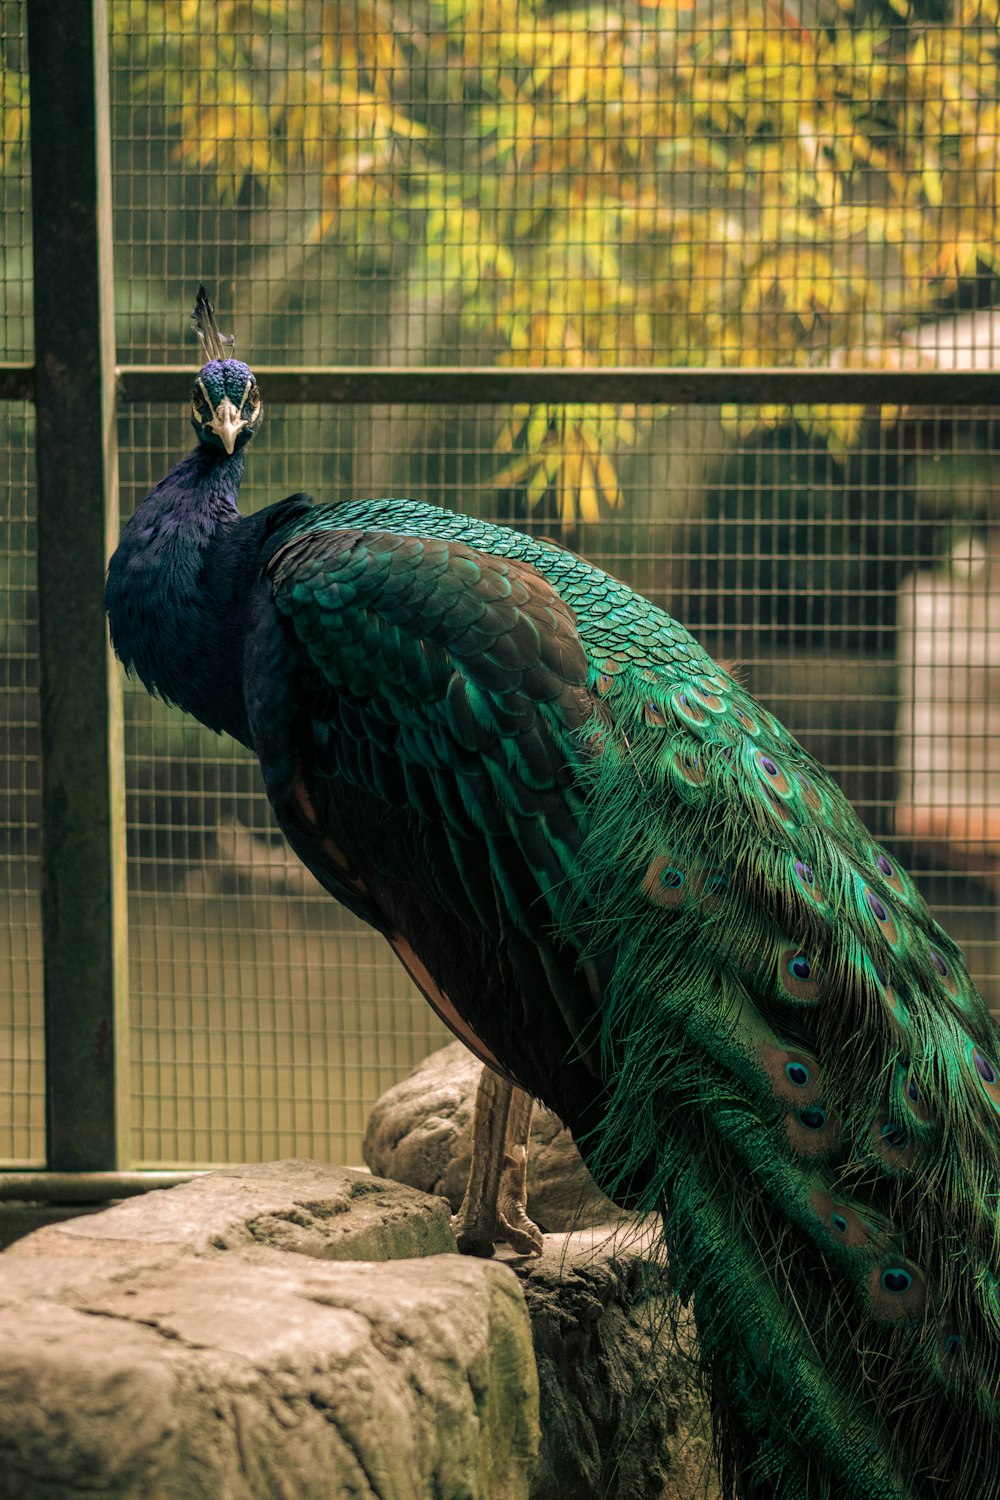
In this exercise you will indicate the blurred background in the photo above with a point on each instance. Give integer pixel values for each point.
(512, 183)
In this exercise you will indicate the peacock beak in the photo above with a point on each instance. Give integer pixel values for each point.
(227, 424)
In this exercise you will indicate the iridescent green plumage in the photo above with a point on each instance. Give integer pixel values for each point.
(623, 880)
(792, 1060)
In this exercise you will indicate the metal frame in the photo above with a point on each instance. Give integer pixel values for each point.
(77, 388)
(83, 1187)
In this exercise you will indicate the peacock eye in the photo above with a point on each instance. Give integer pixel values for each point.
(254, 396)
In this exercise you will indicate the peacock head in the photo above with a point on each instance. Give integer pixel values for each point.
(226, 408)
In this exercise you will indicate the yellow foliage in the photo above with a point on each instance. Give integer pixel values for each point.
(617, 183)
(13, 115)
(562, 451)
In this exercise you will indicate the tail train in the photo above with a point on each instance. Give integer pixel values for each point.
(805, 1082)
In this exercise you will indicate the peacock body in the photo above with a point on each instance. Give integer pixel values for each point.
(625, 885)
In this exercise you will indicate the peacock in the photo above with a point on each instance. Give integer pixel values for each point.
(636, 897)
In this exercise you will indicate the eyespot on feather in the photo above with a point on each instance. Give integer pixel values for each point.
(686, 708)
(943, 971)
(843, 1224)
(911, 1097)
(882, 914)
(689, 767)
(713, 888)
(812, 1131)
(892, 1143)
(665, 883)
(653, 714)
(805, 880)
(948, 1354)
(889, 872)
(878, 990)
(781, 811)
(771, 773)
(746, 723)
(699, 689)
(985, 1072)
(809, 793)
(797, 975)
(896, 1290)
(794, 1076)
(896, 1007)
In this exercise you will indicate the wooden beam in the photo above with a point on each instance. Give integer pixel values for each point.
(83, 902)
(450, 385)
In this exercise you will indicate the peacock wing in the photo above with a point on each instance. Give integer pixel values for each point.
(419, 739)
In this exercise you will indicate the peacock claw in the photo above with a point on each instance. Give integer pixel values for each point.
(524, 1237)
(515, 1228)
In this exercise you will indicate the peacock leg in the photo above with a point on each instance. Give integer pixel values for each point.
(520, 1232)
(494, 1204)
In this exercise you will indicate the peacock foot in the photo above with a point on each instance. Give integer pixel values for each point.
(494, 1207)
(516, 1229)
(479, 1229)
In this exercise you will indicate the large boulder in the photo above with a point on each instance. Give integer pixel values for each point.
(621, 1412)
(302, 1332)
(218, 1342)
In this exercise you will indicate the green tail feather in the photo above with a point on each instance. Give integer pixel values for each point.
(807, 1084)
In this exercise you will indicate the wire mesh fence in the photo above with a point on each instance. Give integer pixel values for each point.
(705, 182)
(21, 1046)
(857, 600)
(498, 181)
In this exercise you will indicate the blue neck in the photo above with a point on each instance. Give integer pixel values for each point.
(175, 595)
(203, 483)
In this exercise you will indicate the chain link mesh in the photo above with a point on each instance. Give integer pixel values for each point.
(508, 182)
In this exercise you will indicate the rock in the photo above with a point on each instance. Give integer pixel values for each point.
(299, 1332)
(419, 1133)
(213, 1341)
(301, 1206)
(621, 1414)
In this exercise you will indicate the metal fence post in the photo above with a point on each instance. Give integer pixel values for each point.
(83, 903)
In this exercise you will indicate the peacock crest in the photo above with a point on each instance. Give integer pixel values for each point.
(216, 345)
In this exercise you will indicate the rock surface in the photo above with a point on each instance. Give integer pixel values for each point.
(621, 1415)
(237, 1337)
(306, 1207)
(301, 1332)
(420, 1133)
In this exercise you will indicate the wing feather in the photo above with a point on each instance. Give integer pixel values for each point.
(438, 694)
